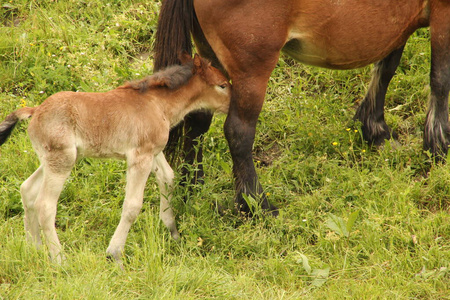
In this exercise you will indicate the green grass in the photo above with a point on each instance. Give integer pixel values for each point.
(355, 222)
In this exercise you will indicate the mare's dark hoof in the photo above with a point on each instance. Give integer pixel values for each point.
(274, 211)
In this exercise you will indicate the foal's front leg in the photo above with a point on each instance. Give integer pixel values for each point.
(164, 177)
(139, 167)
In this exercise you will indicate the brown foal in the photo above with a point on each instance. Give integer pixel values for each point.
(131, 122)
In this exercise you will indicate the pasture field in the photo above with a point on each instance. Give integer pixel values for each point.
(355, 222)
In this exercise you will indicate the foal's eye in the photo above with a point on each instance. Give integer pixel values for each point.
(223, 85)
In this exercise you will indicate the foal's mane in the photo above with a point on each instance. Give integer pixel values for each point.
(172, 77)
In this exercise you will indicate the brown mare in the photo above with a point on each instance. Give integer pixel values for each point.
(245, 38)
(131, 122)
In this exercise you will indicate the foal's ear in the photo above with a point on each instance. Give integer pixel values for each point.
(200, 64)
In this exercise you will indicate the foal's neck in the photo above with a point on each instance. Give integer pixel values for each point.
(184, 100)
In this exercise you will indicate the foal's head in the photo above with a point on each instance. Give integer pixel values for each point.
(213, 90)
(216, 93)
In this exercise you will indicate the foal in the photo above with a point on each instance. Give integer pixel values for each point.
(131, 122)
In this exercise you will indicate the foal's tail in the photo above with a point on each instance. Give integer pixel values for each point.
(173, 37)
(11, 120)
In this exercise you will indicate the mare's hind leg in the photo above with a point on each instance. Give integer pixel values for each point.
(371, 110)
(139, 167)
(437, 131)
(29, 191)
(195, 125)
(164, 177)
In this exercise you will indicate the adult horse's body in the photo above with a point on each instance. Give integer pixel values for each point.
(245, 37)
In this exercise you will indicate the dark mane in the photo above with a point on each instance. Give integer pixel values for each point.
(172, 77)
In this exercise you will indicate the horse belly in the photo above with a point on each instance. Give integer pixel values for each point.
(99, 147)
(345, 34)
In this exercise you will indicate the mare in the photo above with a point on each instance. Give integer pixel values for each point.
(245, 38)
(131, 122)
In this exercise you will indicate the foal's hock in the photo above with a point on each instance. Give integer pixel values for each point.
(131, 122)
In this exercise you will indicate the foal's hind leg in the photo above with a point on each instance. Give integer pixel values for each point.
(56, 170)
(139, 167)
(437, 131)
(164, 177)
(371, 110)
(29, 191)
(46, 203)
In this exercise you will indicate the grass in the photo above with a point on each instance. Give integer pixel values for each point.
(355, 222)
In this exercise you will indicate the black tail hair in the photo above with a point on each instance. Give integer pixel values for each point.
(173, 37)
(7, 126)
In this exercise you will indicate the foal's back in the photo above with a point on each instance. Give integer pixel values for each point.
(99, 124)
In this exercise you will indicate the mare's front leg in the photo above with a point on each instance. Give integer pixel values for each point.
(164, 177)
(139, 168)
(371, 111)
(437, 131)
(240, 126)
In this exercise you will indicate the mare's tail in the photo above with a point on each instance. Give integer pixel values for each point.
(11, 120)
(173, 37)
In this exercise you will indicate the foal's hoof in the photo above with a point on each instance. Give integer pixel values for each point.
(114, 254)
(58, 259)
(176, 236)
(118, 262)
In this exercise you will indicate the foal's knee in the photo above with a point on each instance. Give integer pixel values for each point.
(131, 212)
(24, 192)
(164, 175)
